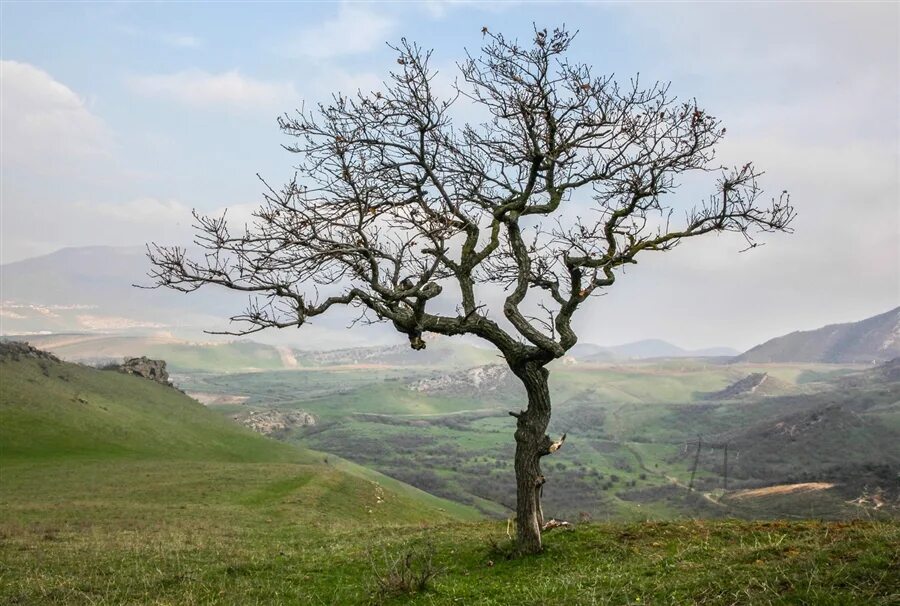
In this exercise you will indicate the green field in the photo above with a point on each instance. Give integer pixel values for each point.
(179, 533)
(118, 490)
(182, 533)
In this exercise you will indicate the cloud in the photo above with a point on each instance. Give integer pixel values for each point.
(810, 94)
(47, 126)
(202, 89)
(353, 31)
(131, 222)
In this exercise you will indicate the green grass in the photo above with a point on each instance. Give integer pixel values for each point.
(73, 427)
(236, 539)
(51, 410)
(116, 490)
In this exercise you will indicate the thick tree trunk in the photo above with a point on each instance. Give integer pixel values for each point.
(532, 443)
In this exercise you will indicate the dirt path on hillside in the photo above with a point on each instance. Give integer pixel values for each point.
(780, 489)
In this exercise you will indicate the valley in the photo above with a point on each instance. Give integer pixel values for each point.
(632, 433)
(438, 420)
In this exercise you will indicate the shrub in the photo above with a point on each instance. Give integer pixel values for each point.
(406, 573)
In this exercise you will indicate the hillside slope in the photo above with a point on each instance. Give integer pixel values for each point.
(875, 339)
(846, 433)
(68, 427)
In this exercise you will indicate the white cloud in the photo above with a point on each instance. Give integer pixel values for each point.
(46, 126)
(86, 222)
(439, 9)
(202, 89)
(354, 30)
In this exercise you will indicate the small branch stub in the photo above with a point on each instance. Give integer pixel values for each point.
(557, 445)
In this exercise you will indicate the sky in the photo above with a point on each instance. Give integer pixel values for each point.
(119, 118)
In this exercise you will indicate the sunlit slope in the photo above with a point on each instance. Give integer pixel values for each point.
(50, 409)
(76, 433)
(224, 356)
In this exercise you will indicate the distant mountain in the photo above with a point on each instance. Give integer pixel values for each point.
(588, 352)
(640, 350)
(90, 289)
(875, 339)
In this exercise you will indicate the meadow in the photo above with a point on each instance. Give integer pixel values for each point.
(157, 532)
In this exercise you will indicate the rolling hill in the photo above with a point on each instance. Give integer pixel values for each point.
(875, 339)
(118, 490)
(97, 425)
(845, 433)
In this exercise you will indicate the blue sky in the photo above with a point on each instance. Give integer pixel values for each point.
(118, 118)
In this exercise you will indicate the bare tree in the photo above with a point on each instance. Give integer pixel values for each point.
(562, 184)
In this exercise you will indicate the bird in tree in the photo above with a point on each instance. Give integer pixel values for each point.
(395, 210)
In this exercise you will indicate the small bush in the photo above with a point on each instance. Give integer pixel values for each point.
(406, 573)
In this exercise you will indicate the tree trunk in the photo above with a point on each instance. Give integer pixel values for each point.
(532, 443)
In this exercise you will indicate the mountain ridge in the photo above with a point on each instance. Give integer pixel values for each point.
(871, 340)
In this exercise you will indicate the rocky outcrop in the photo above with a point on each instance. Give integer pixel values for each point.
(481, 380)
(268, 422)
(16, 350)
(154, 370)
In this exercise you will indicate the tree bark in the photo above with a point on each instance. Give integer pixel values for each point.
(532, 443)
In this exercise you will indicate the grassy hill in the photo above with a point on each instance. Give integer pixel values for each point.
(632, 431)
(630, 428)
(118, 490)
(58, 410)
(77, 432)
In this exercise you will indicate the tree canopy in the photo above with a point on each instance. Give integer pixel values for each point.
(568, 177)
